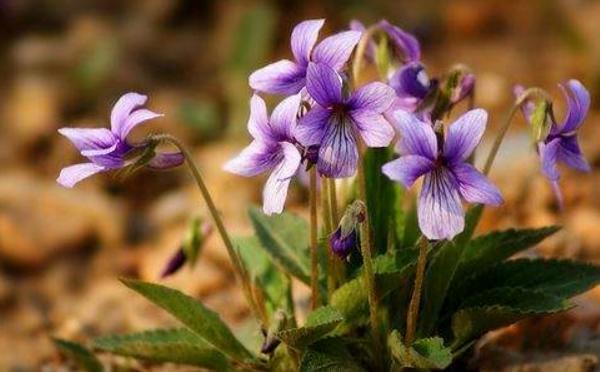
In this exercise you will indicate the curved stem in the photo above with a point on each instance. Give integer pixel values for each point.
(415, 301)
(360, 52)
(314, 262)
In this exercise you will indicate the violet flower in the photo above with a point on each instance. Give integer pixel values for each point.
(336, 119)
(289, 77)
(561, 144)
(412, 85)
(108, 149)
(447, 174)
(273, 148)
(342, 245)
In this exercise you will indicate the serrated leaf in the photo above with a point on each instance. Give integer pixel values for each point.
(180, 346)
(84, 358)
(318, 323)
(561, 278)
(500, 307)
(490, 249)
(425, 353)
(199, 319)
(328, 356)
(285, 239)
(351, 299)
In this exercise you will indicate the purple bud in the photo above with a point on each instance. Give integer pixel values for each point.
(175, 263)
(311, 154)
(342, 245)
(464, 88)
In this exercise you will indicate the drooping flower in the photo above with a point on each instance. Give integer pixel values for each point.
(190, 248)
(561, 144)
(273, 149)
(335, 121)
(448, 176)
(345, 238)
(412, 85)
(289, 77)
(109, 149)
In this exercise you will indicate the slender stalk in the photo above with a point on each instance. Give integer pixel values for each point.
(333, 201)
(328, 222)
(314, 262)
(415, 301)
(360, 52)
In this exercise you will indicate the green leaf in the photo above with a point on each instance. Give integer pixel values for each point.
(381, 196)
(204, 322)
(425, 353)
(84, 358)
(329, 355)
(318, 323)
(285, 239)
(490, 249)
(561, 278)
(351, 299)
(500, 307)
(169, 345)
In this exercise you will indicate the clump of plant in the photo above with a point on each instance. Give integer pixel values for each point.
(394, 282)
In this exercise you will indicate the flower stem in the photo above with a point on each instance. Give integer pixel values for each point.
(415, 301)
(314, 262)
(360, 52)
(328, 222)
(333, 202)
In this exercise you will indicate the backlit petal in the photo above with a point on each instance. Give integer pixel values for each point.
(464, 135)
(439, 210)
(282, 77)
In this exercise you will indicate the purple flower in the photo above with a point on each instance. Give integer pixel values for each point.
(289, 77)
(561, 144)
(412, 85)
(175, 263)
(273, 149)
(335, 120)
(405, 44)
(342, 245)
(108, 149)
(447, 174)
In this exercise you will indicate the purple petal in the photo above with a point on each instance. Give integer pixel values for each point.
(166, 160)
(304, 37)
(258, 157)
(86, 139)
(335, 50)
(570, 153)
(71, 175)
(374, 129)
(99, 152)
(311, 128)
(464, 88)
(406, 169)
(282, 77)
(407, 44)
(284, 117)
(175, 263)
(440, 211)
(377, 97)
(464, 135)
(134, 119)
(323, 84)
(276, 188)
(416, 136)
(411, 80)
(549, 158)
(258, 123)
(474, 186)
(121, 110)
(578, 100)
(338, 154)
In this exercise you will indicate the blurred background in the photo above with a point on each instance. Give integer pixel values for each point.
(65, 62)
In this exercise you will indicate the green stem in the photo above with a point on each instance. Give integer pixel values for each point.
(328, 221)
(333, 201)
(415, 301)
(314, 262)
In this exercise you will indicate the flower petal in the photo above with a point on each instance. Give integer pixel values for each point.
(258, 123)
(549, 158)
(311, 127)
(374, 129)
(323, 84)
(304, 37)
(166, 160)
(570, 153)
(407, 44)
(338, 154)
(411, 80)
(377, 97)
(282, 77)
(71, 175)
(406, 169)
(121, 110)
(89, 138)
(135, 118)
(258, 157)
(464, 135)
(474, 186)
(276, 188)
(578, 100)
(416, 136)
(284, 117)
(335, 50)
(440, 211)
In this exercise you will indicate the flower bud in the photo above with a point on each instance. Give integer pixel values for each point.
(345, 237)
(271, 340)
